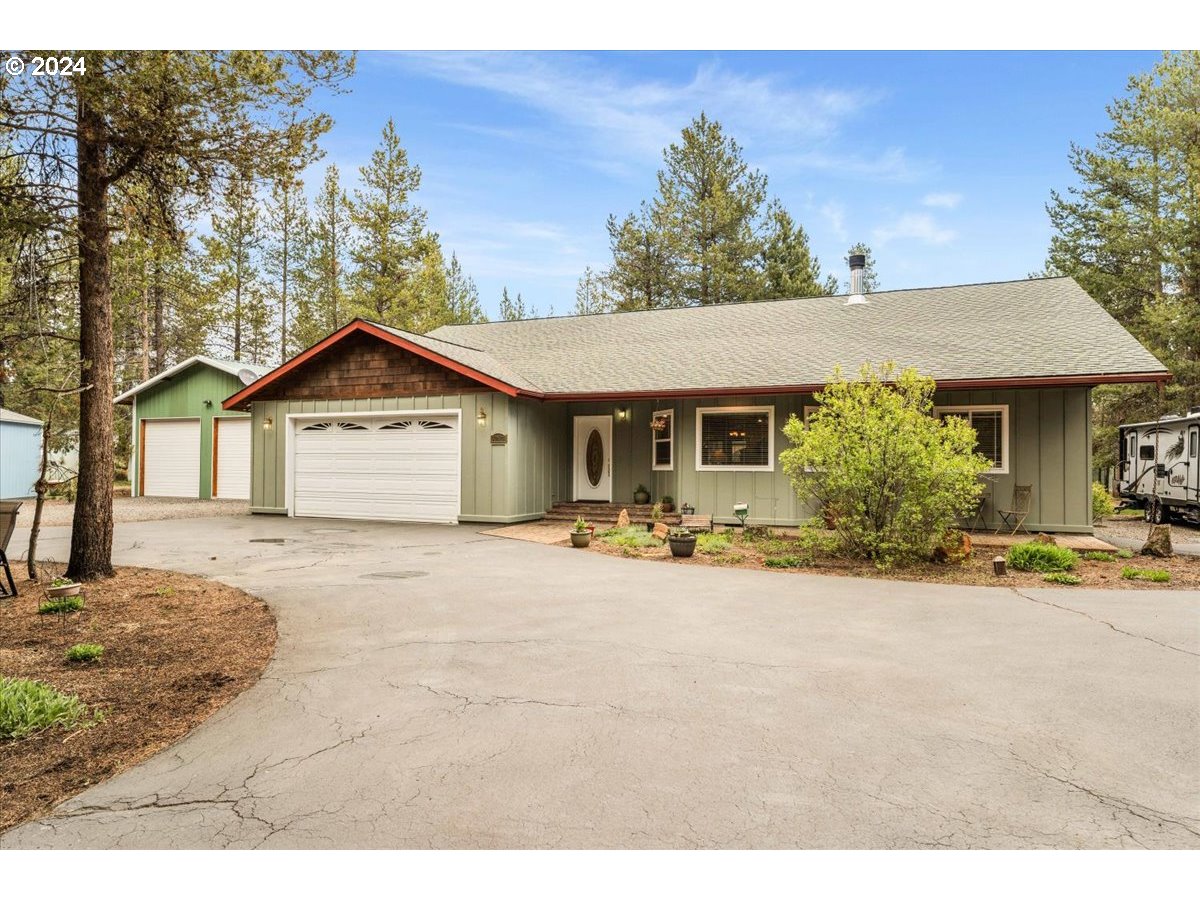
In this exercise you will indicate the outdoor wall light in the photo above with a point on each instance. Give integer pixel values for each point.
(622, 413)
(208, 404)
(482, 417)
(267, 423)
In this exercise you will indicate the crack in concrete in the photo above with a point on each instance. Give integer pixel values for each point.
(1080, 612)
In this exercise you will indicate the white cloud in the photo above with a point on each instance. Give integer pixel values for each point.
(629, 117)
(913, 226)
(834, 214)
(944, 200)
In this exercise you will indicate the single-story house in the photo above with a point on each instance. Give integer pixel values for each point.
(184, 443)
(498, 422)
(20, 454)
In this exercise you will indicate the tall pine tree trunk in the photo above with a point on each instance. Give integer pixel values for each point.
(144, 325)
(157, 290)
(92, 528)
(283, 300)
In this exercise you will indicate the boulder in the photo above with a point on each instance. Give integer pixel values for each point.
(623, 519)
(954, 548)
(1159, 542)
(1043, 538)
(661, 531)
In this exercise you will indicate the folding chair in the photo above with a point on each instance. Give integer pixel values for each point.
(8, 523)
(1018, 510)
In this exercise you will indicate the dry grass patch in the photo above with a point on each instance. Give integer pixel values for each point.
(175, 649)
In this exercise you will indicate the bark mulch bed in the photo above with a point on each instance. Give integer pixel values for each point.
(176, 649)
(977, 570)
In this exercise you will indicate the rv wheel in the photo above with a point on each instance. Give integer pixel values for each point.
(1155, 512)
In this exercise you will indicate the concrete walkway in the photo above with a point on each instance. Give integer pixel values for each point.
(436, 687)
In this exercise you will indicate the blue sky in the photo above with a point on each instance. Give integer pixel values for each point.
(942, 162)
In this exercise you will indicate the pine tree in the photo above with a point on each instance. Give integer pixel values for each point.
(591, 294)
(643, 272)
(1129, 233)
(789, 268)
(321, 306)
(709, 203)
(392, 281)
(232, 264)
(870, 281)
(512, 310)
(462, 296)
(287, 221)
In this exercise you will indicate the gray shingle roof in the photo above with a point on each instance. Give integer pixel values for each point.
(1005, 330)
(229, 366)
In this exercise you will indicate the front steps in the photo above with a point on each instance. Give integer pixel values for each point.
(606, 513)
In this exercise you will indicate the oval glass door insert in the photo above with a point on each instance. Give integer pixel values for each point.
(594, 457)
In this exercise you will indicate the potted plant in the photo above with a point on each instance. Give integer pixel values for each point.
(581, 533)
(668, 503)
(656, 515)
(63, 587)
(682, 541)
(641, 496)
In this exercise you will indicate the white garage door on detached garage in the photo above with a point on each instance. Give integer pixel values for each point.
(400, 467)
(231, 457)
(170, 458)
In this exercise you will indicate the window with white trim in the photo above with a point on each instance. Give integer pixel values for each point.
(991, 431)
(662, 434)
(737, 438)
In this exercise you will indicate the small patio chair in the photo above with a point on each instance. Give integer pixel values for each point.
(8, 523)
(975, 516)
(1018, 510)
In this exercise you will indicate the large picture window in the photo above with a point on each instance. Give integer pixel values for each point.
(662, 434)
(735, 438)
(991, 431)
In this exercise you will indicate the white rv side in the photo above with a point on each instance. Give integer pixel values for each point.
(1160, 466)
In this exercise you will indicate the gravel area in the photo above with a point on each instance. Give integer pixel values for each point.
(1131, 533)
(137, 509)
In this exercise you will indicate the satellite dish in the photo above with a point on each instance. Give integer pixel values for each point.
(247, 376)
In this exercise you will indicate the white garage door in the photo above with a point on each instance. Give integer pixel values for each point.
(171, 458)
(231, 473)
(403, 468)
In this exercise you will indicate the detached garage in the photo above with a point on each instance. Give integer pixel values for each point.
(184, 444)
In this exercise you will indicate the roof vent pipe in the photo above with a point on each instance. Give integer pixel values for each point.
(858, 262)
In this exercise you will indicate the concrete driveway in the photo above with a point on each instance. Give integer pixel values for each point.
(435, 687)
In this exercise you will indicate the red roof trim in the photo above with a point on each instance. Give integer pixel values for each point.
(247, 393)
(944, 385)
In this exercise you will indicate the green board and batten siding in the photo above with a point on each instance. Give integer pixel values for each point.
(183, 397)
(505, 482)
(1049, 447)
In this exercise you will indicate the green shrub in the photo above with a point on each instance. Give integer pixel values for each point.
(891, 475)
(787, 562)
(1062, 578)
(1100, 556)
(713, 542)
(1124, 554)
(60, 605)
(1034, 556)
(632, 536)
(84, 652)
(1134, 574)
(27, 706)
(1102, 502)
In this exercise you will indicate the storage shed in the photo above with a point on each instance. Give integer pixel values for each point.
(184, 443)
(20, 454)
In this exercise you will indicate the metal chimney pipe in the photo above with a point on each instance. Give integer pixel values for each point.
(858, 262)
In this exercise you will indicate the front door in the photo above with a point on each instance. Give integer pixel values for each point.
(593, 458)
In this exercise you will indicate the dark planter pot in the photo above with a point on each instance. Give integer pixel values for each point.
(682, 546)
(580, 538)
(641, 499)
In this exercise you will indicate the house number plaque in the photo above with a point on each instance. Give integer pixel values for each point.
(499, 440)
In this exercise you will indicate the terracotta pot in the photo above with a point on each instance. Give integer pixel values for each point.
(668, 507)
(580, 538)
(682, 546)
(66, 590)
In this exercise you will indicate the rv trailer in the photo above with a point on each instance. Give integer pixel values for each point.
(1160, 466)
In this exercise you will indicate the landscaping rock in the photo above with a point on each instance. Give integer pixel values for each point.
(661, 531)
(623, 519)
(1043, 538)
(955, 548)
(1159, 542)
